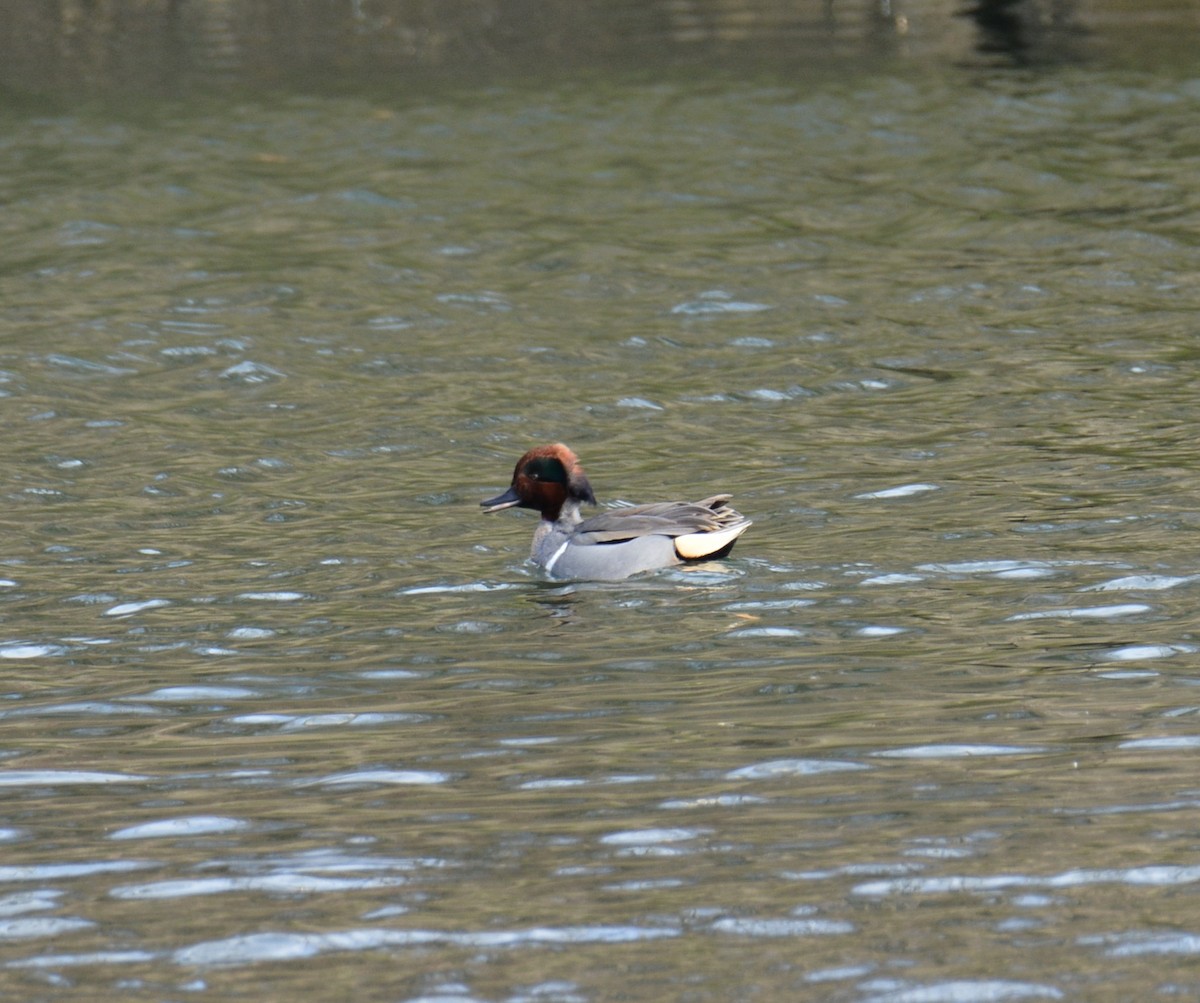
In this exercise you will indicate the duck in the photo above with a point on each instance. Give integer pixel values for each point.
(616, 543)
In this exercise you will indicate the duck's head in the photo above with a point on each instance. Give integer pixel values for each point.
(545, 479)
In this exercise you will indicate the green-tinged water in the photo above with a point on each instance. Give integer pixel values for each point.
(285, 716)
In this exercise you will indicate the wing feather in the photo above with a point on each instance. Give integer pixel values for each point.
(712, 516)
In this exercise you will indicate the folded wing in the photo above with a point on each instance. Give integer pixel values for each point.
(699, 529)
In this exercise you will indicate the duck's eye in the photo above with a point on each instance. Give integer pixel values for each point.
(546, 468)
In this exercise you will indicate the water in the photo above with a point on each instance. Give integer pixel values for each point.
(285, 715)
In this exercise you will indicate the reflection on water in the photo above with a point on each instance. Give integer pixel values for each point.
(280, 706)
(131, 47)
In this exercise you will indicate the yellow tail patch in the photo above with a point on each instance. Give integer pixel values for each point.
(693, 546)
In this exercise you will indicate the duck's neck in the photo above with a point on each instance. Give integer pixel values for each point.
(568, 519)
(568, 514)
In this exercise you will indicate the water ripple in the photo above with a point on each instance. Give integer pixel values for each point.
(956, 751)
(969, 991)
(129, 608)
(303, 722)
(1086, 612)
(717, 301)
(56, 872)
(270, 946)
(56, 778)
(781, 927)
(201, 694)
(22, 651)
(76, 960)
(194, 825)
(792, 767)
(1141, 652)
(1135, 944)
(1141, 583)
(1152, 876)
(401, 777)
(1163, 742)
(900, 491)
(40, 926)
(274, 884)
(647, 837)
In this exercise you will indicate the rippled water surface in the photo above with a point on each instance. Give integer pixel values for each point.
(285, 716)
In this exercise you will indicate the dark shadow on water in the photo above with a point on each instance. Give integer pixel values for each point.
(1000, 28)
(1023, 33)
